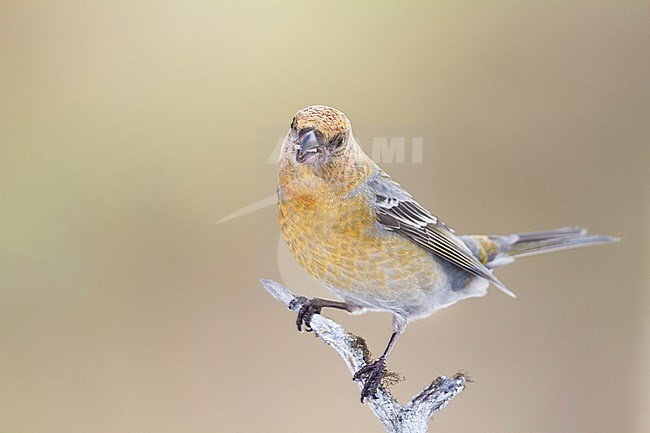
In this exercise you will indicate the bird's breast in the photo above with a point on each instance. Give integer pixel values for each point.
(337, 240)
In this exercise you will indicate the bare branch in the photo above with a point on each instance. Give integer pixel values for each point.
(414, 416)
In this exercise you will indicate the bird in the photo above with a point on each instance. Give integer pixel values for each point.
(368, 241)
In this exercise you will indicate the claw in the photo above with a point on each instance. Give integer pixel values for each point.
(308, 309)
(371, 374)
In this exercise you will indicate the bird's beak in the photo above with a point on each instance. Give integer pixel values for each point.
(308, 147)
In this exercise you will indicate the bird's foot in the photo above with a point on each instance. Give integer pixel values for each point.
(371, 375)
(307, 310)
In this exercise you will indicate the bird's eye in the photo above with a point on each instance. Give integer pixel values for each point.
(337, 140)
(293, 124)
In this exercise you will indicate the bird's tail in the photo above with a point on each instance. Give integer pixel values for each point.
(527, 244)
(497, 250)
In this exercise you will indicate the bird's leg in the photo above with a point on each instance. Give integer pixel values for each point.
(374, 372)
(311, 306)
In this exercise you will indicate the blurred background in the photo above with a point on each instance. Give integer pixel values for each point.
(128, 129)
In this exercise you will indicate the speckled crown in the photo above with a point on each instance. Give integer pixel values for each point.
(329, 121)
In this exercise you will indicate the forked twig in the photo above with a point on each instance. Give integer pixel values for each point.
(414, 416)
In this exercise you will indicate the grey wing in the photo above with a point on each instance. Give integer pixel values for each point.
(398, 212)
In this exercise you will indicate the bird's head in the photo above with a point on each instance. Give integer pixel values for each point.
(318, 135)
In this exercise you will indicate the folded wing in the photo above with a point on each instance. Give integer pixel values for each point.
(398, 212)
